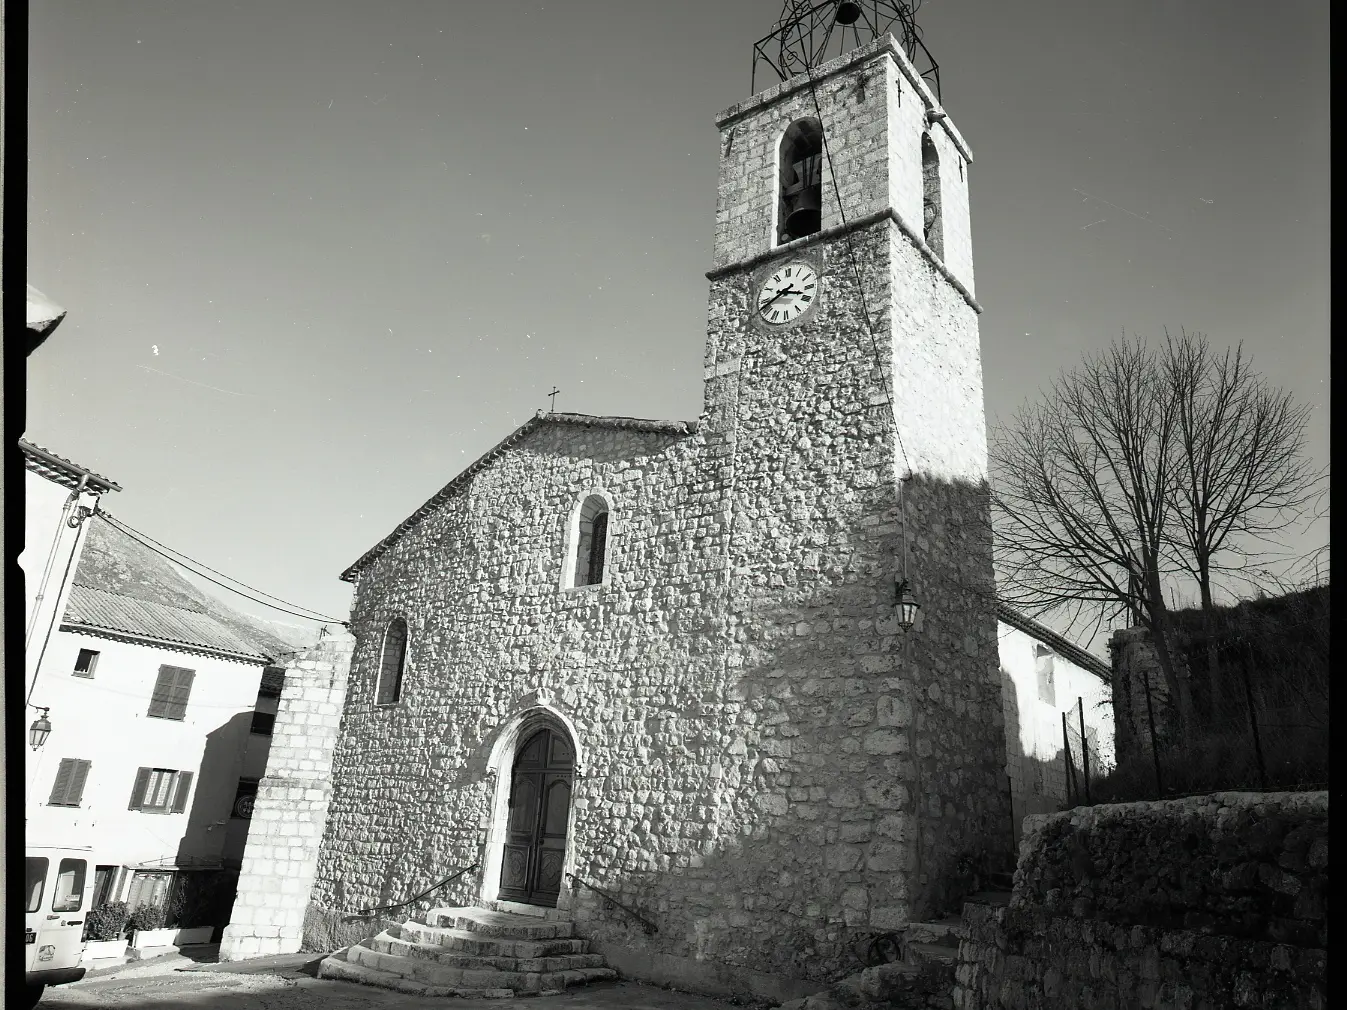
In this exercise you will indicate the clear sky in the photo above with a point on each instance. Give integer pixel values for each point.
(320, 255)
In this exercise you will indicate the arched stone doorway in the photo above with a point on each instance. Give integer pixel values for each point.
(534, 846)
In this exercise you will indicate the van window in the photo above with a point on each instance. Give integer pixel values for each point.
(36, 874)
(69, 894)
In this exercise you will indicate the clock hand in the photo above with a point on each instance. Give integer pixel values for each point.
(784, 291)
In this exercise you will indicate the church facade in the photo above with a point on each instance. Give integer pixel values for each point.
(652, 674)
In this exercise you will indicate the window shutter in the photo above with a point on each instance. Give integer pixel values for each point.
(182, 690)
(184, 787)
(76, 791)
(138, 790)
(62, 784)
(163, 687)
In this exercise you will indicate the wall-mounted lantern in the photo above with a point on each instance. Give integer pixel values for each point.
(907, 606)
(40, 730)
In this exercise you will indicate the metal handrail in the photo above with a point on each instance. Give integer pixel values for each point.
(611, 902)
(366, 913)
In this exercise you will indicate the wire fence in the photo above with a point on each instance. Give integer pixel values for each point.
(1245, 709)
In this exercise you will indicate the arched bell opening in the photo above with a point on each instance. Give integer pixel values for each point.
(527, 851)
(800, 175)
(932, 225)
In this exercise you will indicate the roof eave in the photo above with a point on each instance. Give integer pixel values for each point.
(1064, 646)
(137, 638)
(40, 459)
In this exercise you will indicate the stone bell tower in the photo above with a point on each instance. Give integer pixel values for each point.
(844, 416)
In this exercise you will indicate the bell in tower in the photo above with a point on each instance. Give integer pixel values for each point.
(801, 177)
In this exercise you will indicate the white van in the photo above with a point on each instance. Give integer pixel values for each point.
(58, 888)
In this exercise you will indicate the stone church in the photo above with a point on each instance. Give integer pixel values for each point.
(652, 679)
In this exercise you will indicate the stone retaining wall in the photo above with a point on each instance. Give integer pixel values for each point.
(1212, 901)
(1028, 958)
(1252, 865)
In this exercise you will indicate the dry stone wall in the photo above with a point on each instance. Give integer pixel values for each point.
(1207, 902)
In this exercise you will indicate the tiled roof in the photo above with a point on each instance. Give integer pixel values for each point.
(61, 470)
(1064, 647)
(99, 610)
(533, 423)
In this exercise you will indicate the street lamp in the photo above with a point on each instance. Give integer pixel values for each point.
(41, 728)
(907, 607)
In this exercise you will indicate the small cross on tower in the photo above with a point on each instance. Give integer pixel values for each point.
(553, 395)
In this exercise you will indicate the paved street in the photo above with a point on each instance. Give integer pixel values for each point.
(293, 989)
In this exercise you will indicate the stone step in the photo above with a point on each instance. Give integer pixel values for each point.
(338, 966)
(931, 953)
(465, 941)
(397, 941)
(505, 925)
(520, 908)
(992, 897)
(420, 963)
(947, 930)
(1001, 880)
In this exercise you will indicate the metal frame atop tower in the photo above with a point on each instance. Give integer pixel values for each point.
(809, 34)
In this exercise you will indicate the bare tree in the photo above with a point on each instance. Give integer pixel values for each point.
(1240, 477)
(1137, 468)
(1082, 494)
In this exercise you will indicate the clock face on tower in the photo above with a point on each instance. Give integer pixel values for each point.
(787, 293)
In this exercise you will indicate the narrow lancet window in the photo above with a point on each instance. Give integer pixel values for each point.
(800, 206)
(391, 661)
(930, 196)
(592, 542)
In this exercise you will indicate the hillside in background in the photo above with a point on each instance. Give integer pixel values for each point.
(114, 562)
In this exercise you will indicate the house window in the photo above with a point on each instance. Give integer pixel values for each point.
(1047, 690)
(85, 663)
(171, 691)
(932, 229)
(391, 662)
(800, 171)
(263, 723)
(161, 790)
(69, 893)
(244, 799)
(591, 542)
(68, 789)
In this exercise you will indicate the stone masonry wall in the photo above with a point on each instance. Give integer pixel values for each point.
(873, 115)
(1250, 865)
(290, 811)
(1210, 901)
(1028, 958)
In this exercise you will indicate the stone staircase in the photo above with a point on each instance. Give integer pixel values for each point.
(937, 942)
(923, 979)
(491, 952)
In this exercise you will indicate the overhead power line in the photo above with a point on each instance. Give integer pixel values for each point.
(293, 609)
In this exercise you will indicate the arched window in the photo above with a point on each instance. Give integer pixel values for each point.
(591, 545)
(391, 661)
(800, 205)
(930, 196)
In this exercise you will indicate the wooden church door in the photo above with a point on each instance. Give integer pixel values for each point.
(540, 805)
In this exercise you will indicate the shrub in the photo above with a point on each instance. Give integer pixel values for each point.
(148, 917)
(107, 922)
